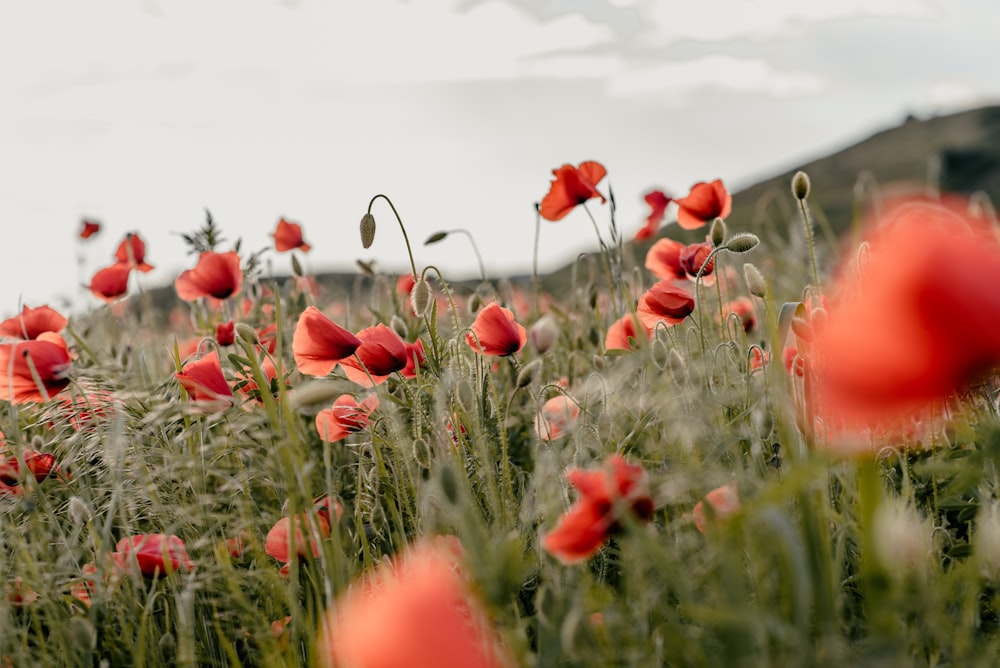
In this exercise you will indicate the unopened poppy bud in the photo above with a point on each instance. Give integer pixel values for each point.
(398, 325)
(367, 230)
(528, 373)
(436, 237)
(742, 242)
(678, 370)
(475, 301)
(37, 443)
(800, 185)
(420, 297)
(544, 333)
(246, 333)
(296, 266)
(314, 393)
(660, 354)
(718, 232)
(754, 280)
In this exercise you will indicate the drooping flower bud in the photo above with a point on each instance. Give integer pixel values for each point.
(800, 185)
(528, 373)
(367, 230)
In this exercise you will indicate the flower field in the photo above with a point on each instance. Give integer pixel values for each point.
(717, 448)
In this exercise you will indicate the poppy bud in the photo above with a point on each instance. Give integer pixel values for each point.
(678, 370)
(800, 185)
(661, 356)
(544, 333)
(296, 266)
(246, 333)
(755, 280)
(397, 325)
(420, 297)
(742, 242)
(367, 230)
(314, 393)
(527, 374)
(475, 301)
(436, 237)
(718, 232)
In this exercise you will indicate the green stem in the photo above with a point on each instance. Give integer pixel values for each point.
(406, 238)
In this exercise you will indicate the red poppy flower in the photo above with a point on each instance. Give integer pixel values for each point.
(345, 417)
(571, 187)
(622, 330)
(381, 351)
(404, 284)
(89, 229)
(132, 252)
(268, 337)
(663, 259)
(657, 201)
(319, 344)
(288, 236)
(724, 501)
(742, 308)
(557, 417)
(582, 530)
(156, 553)
(204, 381)
(111, 283)
(217, 275)
(38, 464)
(664, 302)
(419, 612)
(277, 544)
(497, 332)
(32, 322)
(50, 358)
(225, 333)
(693, 257)
(705, 203)
(84, 411)
(414, 358)
(918, 323)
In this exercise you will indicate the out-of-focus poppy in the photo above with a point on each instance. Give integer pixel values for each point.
(204, 381)
(496, 332)
(742, 308)
(558, 415)
(37, 464)
(724, 501)
(381, 352)
(111, 283)
(346, 416)
(319, 344)
(705, 203)
(156, 553)
(225, 333)
(418, 612)
(277, 544)
(217, 275)
(663, 259)
(657, 201)
(571, 187)
(33, 321)
(288, 236)
(583, 528)
(89, 228)
(47, 355)
(623, 329)
(664, 302)
(132, 252)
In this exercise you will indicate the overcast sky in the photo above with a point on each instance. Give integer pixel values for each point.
(142, 113)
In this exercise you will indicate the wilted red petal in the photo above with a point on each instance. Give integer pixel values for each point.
(497, 332)
(319, 343)
(217, 275)
(111, 283)
(705, 203)
(32, 322)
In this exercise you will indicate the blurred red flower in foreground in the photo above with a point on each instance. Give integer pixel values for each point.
(132, 252)
(381, 351)
(914, 323)
(32, 322)
(279, 538)
(583, 528)
(217, 275)
(204, 381)
(664, 302)
(48, 356)
(89, 228)
(111, 283)
(288, 236)
(346, 416)
(657, 201)
(497, 332)
(319, 344)
(571, 187)
(724, 501)
(156, 553)
(225, 333)
(418, 612)
(622, 330)
(38, 464)
(705, 203)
